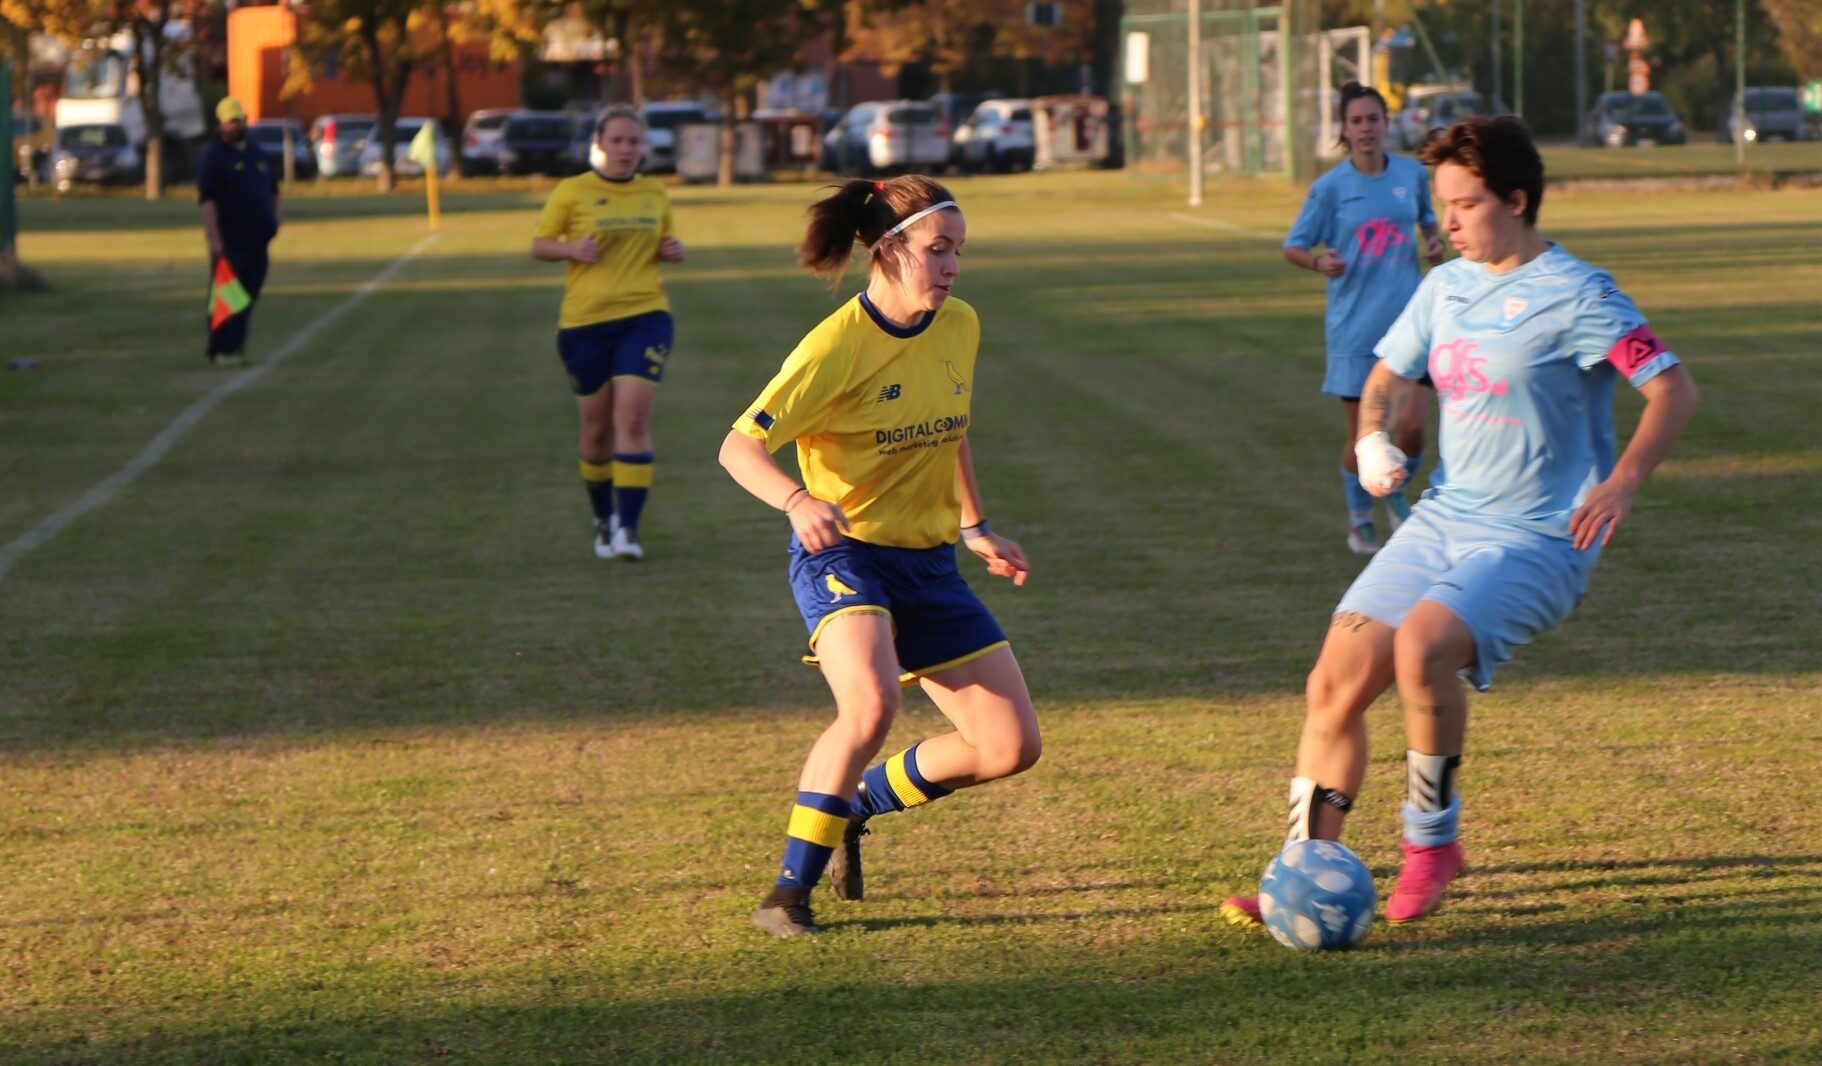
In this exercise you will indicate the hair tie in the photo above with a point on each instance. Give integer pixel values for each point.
(879, 186)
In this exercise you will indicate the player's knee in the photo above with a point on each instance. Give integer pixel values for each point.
(869, 718)
(596, 438)
(1326, 693)
(1422, 654)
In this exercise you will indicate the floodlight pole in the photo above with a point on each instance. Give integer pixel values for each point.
(1739, 83)
(1518, 57)
(1195, 103)
(1581, 74)
(1494, 95)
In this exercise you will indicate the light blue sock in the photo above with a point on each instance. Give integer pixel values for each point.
(1360, 501)
(1432, 827)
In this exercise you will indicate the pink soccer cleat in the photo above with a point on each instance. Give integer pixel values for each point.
(1241, 910)
(1428, 869)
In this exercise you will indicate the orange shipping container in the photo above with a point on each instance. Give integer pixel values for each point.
(259, 37)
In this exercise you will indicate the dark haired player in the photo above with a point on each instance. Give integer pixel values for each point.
(1364, 214)
(878, 399)
(1526, 344)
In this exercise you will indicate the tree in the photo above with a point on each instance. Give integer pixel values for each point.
(1799, 24)
(957, 37)
(731, 49)
(379, 41)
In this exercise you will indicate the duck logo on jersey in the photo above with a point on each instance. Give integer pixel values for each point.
(955, 376)
(658, 353)
(837, 587)
(890, 392)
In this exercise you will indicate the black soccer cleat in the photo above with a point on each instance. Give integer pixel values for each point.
(845, 879)
(785, 912)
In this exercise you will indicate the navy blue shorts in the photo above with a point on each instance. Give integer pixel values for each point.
(635, 347)
(937, 621)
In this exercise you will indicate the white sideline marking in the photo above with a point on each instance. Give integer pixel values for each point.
(106, 489)
(1215, 223)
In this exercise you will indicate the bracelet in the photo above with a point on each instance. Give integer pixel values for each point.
(788, 500)
(977, 530)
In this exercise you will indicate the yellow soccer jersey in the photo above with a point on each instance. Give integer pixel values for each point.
(878, 414)
(628, 218)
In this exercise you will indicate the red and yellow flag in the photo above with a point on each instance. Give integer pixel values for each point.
(227, 297)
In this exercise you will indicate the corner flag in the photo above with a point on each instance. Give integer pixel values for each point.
(423, 152)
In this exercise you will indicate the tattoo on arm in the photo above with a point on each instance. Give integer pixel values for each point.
(1382, 403)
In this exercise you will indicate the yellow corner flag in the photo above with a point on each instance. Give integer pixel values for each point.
(423, 152)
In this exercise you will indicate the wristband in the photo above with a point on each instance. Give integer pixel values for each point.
(792, 498)
(977, 530)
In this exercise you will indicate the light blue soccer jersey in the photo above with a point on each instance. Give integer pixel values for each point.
(1524, 364)
(1369, 222)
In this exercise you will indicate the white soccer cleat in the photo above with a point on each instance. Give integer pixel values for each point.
(605, 532)
(625, 546)
(1363, 539)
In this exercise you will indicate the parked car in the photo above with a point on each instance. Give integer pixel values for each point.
(888, 135)
(98, 153)
(1426, 113)
(1773, 113)
(661, 121)
(997, 136)
(339, 140)
(402, 164)
(955, 107)
(1622, 118)
(536, 142)
(481, 140)
(34, 139)
(269, 134)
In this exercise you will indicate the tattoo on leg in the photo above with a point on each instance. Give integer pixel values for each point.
(1349, 619)
(1434, 710)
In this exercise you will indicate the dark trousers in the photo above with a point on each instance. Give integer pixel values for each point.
(249, 263)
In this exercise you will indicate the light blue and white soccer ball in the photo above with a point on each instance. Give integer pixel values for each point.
(1317, 896)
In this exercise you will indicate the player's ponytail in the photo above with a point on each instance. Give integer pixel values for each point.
(861, 211)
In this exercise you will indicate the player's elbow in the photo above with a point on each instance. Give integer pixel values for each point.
(733, 448)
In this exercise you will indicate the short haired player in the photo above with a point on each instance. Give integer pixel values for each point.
(1362, 214)
(878, 399)
(613, 227)
(1526, 344)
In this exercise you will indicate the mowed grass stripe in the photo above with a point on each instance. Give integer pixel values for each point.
(338, 745)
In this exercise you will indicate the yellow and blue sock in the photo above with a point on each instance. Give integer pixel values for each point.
(598, 479)
(817, 822)
(632, 480)
(894, 785)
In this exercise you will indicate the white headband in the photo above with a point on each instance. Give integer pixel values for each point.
(909, 219)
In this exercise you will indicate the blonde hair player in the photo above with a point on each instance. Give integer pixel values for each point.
(878, 399)
(612, 226)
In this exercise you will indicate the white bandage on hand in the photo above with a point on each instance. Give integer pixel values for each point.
(1381, 463)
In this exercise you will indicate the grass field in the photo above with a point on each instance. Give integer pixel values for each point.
(327, 740)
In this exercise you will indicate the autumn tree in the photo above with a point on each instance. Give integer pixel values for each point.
(731, 49)
(1799, 24)
(957, 37)
(379, 41)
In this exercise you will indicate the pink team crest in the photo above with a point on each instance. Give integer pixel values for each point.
(1377, 235)
(1458, 373)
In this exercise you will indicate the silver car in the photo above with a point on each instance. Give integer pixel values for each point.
(481, 140)
(339, 140)
(889, 135)
(997, 136)
(402, 164)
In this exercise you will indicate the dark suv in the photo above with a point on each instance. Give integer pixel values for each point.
(536, 142)
(1622, 118)
(1772, 114)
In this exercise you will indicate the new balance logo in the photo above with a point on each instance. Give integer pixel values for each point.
(890, 392)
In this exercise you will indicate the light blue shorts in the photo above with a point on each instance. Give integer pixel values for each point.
(1347, 374)
(1507, 584)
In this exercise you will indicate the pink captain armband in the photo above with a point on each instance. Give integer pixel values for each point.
(1634, 350)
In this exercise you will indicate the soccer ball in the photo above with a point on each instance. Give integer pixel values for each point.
(1317, 896)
